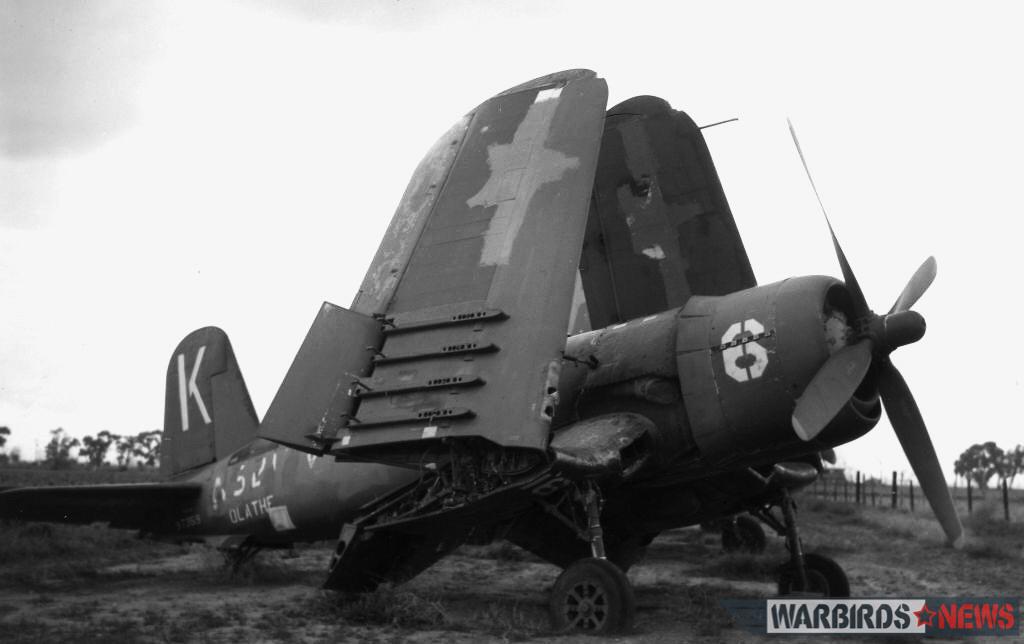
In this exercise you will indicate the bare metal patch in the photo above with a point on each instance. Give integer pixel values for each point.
(647, 213)
(403, 233)
(280, 518)
(654, 252)
(519, 169)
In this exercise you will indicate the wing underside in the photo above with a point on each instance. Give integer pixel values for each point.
(147, 506)
(475, 278)
(660, 228)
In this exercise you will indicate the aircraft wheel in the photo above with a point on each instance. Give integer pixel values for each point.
(593, 596)
(824, 577)
(713, 525)
(744, 535)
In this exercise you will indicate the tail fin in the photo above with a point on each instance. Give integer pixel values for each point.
(208, 413)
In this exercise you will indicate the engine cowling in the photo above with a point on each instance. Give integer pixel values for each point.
(719, 378)
(745, 358)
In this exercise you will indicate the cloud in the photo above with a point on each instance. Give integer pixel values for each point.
(69, 72)
(402, 15)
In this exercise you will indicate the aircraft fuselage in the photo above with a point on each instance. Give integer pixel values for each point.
(279, 495)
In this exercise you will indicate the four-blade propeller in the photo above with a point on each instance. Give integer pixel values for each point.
(876, 337)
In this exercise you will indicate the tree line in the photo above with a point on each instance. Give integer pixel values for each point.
(981, 461)
(62, 451)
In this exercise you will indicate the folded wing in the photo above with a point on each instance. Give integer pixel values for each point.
(660, 228)
(474, 279)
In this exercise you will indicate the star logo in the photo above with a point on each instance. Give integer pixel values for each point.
(924, 616)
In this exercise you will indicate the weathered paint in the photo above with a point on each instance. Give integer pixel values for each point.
(207, 410)
(392, 256)
(519, 168)
(502, 235)
(316, 398)
(266, 488)
(660, 228)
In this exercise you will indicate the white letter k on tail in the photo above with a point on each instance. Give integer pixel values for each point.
(190, 389)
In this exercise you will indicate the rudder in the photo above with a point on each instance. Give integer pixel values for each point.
(207, 411)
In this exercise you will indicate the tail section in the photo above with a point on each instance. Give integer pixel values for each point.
(207, 411)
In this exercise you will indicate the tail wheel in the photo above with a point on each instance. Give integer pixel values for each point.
(592, 596)
(824, 577)
(745, 534)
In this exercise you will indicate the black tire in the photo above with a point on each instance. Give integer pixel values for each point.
(824, 577)
(745, 534)
(592, 596)
(709, 526)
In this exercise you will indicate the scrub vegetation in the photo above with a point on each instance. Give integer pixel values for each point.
(89, 583)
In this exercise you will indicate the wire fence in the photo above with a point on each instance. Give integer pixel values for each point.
(906, 494)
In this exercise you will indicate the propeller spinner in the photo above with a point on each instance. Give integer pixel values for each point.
(841, 375)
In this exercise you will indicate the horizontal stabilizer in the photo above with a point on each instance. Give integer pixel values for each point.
(138, 505)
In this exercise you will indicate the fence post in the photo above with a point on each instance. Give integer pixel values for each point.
(911, 495)
(846, 490)
(970, 498)
(856, 490)
(1006, 501)
(894, 491)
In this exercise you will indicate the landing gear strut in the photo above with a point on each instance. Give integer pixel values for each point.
(808, 573)
(592, 595)
(238, 554)
(743, 534)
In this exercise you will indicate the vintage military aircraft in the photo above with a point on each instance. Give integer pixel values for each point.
(446, 406)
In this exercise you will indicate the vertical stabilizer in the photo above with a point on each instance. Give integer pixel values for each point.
(207, 410)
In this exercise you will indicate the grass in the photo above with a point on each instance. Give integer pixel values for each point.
(275, 599)
(499, 550)
(25, 474)
(699, 605)
(46, 555)
(740, 565)
(387, 606)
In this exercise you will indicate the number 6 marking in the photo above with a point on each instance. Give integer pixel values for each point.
(746, 360)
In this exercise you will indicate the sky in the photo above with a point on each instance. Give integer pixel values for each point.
(171, 165)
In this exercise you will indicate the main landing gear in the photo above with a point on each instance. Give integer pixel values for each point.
(804, 573)
(592, 595)
(237, 552)
(743, 534)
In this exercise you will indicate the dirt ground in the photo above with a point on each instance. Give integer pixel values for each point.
(66, 584)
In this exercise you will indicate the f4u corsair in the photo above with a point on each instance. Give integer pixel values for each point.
(446, 405)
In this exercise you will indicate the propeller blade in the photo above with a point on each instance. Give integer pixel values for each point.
(831, 388)
(916, 287)
(913, 435)
(860, 304)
